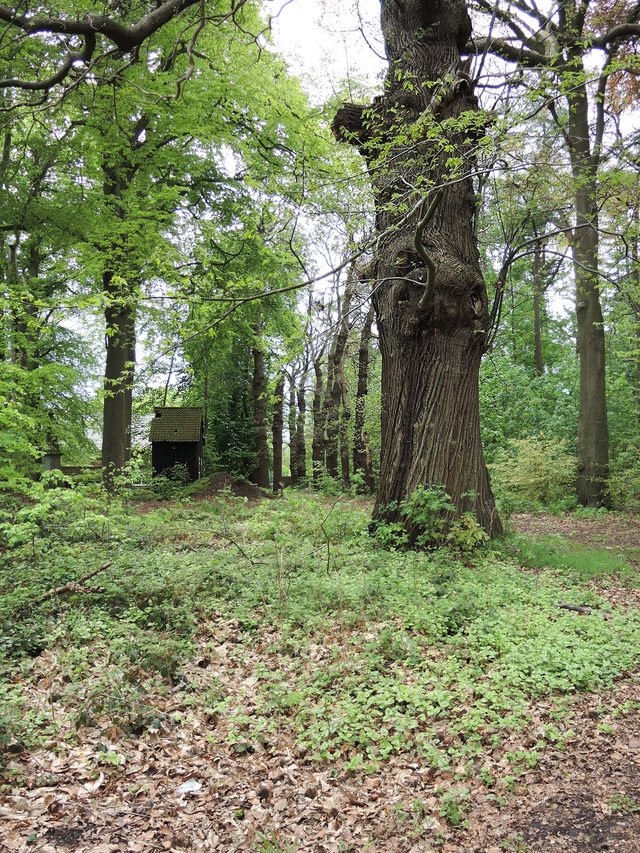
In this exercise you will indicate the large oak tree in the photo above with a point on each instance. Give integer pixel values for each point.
(418, 140)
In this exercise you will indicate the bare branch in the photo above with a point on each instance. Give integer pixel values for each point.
(71, 586)
(512, 52)
(616, 34)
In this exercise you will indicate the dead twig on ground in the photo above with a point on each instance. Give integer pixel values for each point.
(577, 608)
(72, 586)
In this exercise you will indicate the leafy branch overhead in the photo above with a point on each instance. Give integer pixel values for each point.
(70, 49)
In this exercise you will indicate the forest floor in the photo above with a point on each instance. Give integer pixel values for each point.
(178, 788)
(586, 797)
(613, 532)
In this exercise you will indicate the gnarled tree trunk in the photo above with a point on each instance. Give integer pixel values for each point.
(430, 298)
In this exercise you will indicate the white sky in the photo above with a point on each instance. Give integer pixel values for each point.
(328, 41)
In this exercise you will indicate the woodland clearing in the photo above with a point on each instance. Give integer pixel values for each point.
(286, 723)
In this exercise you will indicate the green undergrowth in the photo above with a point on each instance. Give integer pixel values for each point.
(359, 650)
(571, 558)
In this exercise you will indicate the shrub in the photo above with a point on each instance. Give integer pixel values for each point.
(623, 487)
(428, 508)
(536, 470)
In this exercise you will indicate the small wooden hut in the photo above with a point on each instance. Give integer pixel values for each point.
(177, 438)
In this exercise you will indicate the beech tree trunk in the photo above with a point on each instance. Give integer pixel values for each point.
(333, 411)
(432, 325)
(261, 471)
(317, 442)
(276, 433)
(118, 379)
(593, 429)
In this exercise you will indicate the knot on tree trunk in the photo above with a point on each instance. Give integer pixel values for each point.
(349, 124)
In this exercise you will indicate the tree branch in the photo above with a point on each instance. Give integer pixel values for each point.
(71, 586)
(427, 296)
(61, 73)
(511, 52)
(124, 39)
(616, 34)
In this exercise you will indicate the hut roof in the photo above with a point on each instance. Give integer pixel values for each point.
(176, 424)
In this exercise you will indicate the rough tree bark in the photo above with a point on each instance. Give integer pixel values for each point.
(118, 380)
(593, 429)
(430, 298)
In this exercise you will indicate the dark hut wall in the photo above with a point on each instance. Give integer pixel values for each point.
(166, 454)
(177, 438)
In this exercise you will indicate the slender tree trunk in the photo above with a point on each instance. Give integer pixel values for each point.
(292, 424)
(276, 432)
(297, 417)
(430, 298)
(317, 444)
(361, 454)
(593, 430)
(345, 416)
(538, 291)
(332, 408)
(261, 471)
(301, 442)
